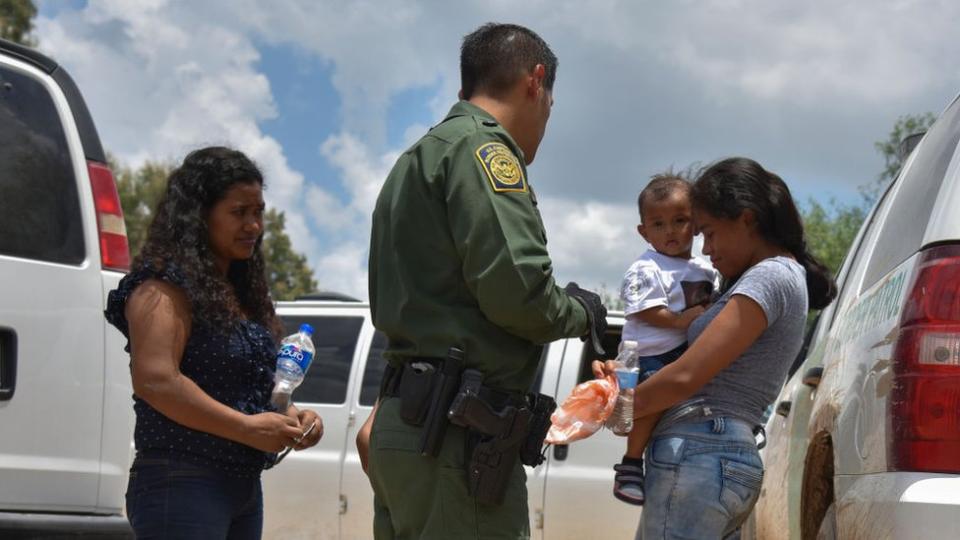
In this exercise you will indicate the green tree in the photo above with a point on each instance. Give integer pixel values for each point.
(831, 230)
(16, 21)
(140, 191)
(287, 270)
(890, 150)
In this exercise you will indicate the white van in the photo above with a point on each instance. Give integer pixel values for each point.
(865, 442)
(322, 492)
(65, 415)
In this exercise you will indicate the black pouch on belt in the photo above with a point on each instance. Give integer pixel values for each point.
(444, 390)
(541, 408)
(414, 389)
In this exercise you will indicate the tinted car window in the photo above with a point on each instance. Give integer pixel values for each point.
(39, 204)
(335, 339)
(906, 222)
(373, 371)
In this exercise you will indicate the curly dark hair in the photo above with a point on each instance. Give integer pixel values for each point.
(177, 239)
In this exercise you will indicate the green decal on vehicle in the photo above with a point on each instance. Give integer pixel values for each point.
(877, 306)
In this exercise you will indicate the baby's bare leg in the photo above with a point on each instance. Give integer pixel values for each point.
(640, 435)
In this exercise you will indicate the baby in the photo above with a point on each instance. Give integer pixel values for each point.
(663, 291)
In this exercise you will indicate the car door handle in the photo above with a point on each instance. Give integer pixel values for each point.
(560, 451)
(812, 377)
(783, 408)
(8, 363)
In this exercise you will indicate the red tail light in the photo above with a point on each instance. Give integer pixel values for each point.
(925, 401)
(114, 250)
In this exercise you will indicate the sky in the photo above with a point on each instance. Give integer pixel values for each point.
(325, 95)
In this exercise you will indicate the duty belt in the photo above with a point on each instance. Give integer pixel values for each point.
(502, 426)
(397, 380)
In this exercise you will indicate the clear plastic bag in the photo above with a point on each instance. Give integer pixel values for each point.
(584, 411)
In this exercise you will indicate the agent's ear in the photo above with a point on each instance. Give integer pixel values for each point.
(460, 94)
(535, 80)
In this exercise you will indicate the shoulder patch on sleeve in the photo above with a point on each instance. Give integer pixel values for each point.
(502, 167)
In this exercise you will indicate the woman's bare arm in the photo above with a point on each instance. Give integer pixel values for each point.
(662, 317)
(729, 334)
(363, 437)
(159, 318)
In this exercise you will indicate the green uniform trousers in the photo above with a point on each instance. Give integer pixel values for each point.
(418, 497)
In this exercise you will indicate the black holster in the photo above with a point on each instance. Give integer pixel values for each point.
(425, 386)
(541, 408)
(494, 437)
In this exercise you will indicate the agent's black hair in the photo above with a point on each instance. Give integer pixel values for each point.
(660, 187)
(178, 238)
(727, 188)
(494, 56)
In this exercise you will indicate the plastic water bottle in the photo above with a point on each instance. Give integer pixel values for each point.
(293, 359)
(628, 374)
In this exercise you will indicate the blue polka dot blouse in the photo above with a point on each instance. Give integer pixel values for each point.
(233, 366)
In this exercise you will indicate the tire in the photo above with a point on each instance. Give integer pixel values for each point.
(828, 526)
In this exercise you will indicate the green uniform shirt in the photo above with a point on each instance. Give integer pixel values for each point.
(458, 255)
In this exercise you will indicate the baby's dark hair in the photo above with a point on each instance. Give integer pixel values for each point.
(662, 186)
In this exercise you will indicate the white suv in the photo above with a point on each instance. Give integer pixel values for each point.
(323, 493)
(865, 442)
(65, 415)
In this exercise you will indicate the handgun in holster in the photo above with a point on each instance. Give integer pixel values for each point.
(445, 384)
(494, 438)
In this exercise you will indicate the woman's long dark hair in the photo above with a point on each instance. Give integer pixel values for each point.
(727, 188)
(177, 240)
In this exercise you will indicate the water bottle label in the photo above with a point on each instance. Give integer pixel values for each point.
(628, 379)
(298, 355)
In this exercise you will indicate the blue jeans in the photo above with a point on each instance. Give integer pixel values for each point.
(703, 478)
(169, 498)
(651, 364)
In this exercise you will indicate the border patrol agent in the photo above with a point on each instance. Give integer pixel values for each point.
(461, 284)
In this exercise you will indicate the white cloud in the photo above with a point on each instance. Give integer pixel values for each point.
(344, 269)
(591, 243)
(362, 172)
(850, 51)
(376, 48)
(160, 85)
(803, 87)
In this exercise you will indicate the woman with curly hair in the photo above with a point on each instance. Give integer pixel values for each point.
(202, 334)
